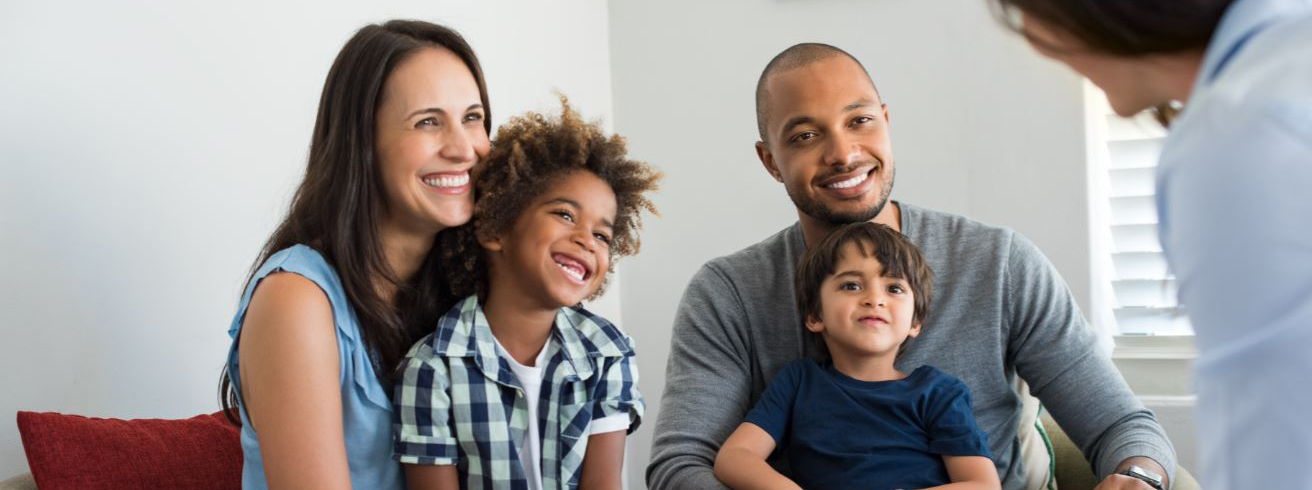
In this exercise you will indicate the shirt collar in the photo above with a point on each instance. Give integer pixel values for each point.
(1241, 21)
(585, 335)
(464, 332)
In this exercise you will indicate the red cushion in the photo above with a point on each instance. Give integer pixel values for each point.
(75, 452)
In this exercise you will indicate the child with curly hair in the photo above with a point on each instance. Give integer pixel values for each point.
(520, 387)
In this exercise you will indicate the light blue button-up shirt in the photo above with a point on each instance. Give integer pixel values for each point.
(1235, 201)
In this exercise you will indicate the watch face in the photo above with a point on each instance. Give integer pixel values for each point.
(1152, 479)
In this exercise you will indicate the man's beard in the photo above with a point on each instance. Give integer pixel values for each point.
(817, 211)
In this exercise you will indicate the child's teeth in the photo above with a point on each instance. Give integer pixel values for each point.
(575, 273)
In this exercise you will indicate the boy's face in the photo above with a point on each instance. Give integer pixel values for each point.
(862, 312)
(558, 251)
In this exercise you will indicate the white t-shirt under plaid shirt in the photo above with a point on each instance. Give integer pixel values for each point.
(459, 403)
(530, 448)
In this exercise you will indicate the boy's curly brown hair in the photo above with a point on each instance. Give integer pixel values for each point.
(529, 155)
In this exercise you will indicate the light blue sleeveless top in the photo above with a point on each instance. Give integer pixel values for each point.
(366, 410)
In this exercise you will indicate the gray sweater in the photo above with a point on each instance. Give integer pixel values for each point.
(999, 310)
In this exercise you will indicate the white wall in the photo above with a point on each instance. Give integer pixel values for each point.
(980, 126)
(1160, 371)
(148, 150)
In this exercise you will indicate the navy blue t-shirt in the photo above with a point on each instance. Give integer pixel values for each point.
(838, 432)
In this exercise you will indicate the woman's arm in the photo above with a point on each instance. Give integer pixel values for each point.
(602, 462)
(970, 473)
(432, 477)
(288, 362)
(741, 465)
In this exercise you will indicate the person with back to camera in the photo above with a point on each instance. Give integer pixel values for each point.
(351, 277)
(1232, 199)
(520, 387)
(854, 420)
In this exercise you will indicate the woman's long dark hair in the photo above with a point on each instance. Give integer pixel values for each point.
(339, 205)
(1128, 28)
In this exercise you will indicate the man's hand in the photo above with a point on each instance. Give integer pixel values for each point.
(1118, 481)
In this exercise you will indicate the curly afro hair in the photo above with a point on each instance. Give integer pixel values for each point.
(529, 155)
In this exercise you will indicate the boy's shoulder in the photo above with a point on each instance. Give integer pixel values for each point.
(589, 334)
(454, 334)
(795, 372)
(936, 382)
(433, 350)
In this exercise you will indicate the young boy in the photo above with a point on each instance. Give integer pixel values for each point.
(519, 387)
(854, 421)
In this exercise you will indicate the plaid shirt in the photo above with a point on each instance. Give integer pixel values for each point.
(458, 402)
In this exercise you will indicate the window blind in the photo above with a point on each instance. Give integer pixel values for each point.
(1144, 300)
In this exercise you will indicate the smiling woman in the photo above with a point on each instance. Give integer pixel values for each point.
(428, 141)
(349, 279)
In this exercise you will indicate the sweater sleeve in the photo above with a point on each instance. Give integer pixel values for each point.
(1056, 352)
(707, 385)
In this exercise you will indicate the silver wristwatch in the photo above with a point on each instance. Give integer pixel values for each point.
(1152, 479)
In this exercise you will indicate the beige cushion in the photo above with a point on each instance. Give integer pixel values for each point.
(1035, 453)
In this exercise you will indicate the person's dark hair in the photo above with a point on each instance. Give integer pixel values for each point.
(796, 56)
(1127, 28)
(529, 155)
(1122, 27)
(898, 256)
(339, 205)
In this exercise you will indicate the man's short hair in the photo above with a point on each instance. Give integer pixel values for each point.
(898, 256)
(796, 56)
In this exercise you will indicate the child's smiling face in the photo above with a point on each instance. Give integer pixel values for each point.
(558, 251)
(864, 313)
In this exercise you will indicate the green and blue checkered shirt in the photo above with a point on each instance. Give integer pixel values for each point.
(459, 403)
